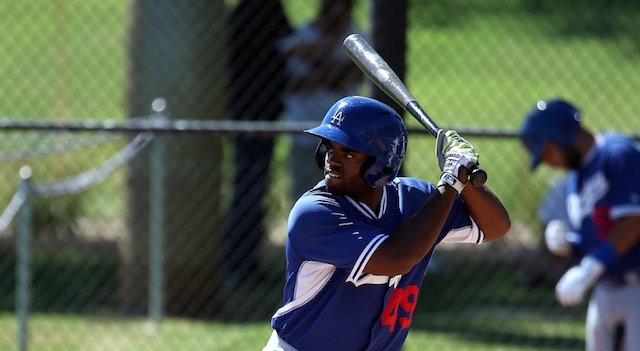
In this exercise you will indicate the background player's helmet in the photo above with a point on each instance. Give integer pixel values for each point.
(549, 120)
(368, 126)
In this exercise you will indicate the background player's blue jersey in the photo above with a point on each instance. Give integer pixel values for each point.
(330, 304)
(603, 189)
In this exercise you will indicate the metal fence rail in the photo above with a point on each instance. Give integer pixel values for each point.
(21, 203)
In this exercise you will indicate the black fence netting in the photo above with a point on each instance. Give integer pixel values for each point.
(136, 223)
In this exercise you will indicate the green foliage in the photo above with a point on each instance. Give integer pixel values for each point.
(66, 277)
(56, 217)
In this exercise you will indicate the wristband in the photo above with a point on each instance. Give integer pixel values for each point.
(606, 254)
(449, 179)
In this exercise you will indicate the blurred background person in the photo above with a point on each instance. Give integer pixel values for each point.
(258, 79)
(320, 73)
(603, 228)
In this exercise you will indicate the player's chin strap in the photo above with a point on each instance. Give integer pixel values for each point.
(450, 179)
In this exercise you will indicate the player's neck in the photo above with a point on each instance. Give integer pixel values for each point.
(370, 198)
(584, 142)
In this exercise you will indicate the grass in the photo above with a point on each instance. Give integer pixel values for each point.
(492, 330)
(429, 332)
(496, 314)
(64, 332)
(63, 59)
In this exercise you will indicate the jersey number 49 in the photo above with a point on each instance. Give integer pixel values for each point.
(400, 298)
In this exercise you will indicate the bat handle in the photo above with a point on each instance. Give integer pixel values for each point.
(478, 177)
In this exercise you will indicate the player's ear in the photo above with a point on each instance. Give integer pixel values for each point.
(366, 164)
(321, 151)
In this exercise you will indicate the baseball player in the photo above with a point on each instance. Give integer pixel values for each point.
(360, 241)
(603, 229)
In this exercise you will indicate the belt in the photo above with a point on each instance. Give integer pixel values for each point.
(622, 279)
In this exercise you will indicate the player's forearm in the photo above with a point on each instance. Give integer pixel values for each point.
(487, 211)
(414, 238)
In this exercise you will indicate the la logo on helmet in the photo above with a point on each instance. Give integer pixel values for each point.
(337, 118)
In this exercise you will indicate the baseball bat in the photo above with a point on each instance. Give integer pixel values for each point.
(377, 69)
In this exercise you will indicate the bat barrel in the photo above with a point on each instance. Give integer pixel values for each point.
(377, 69)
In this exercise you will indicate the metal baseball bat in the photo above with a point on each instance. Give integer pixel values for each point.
(377, 69)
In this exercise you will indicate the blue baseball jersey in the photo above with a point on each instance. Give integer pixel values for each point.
(603, 189)
(329, 303)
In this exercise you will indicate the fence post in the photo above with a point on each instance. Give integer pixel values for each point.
(156, 218)
(23, 258)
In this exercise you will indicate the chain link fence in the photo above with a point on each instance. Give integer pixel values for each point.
(148, 233)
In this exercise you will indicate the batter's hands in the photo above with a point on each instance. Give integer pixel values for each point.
(574, 284)
(454, 151)
(556, 237)
(451, 144)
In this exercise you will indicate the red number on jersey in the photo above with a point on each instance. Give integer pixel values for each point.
(602, 221)
(405, 298)
(408, 303)
(390, 314)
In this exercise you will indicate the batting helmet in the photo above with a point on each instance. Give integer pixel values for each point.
(368, 126)
(555, 120)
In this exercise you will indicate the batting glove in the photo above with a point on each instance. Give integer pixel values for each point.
(450, 143)
(556, 236)
(574, 284)
(449, 176)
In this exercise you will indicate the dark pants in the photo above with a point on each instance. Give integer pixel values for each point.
(245, 227)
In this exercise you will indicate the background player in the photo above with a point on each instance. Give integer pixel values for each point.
(257, 84)
(319, 74)
(360, 241)
(603, 207)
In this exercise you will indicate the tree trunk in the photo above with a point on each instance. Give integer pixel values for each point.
(389, 36)
(389, 32)
(177, 52)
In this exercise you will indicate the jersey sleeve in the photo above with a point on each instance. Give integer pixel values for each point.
(460, 227)
(622, 164)
(324, 229)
